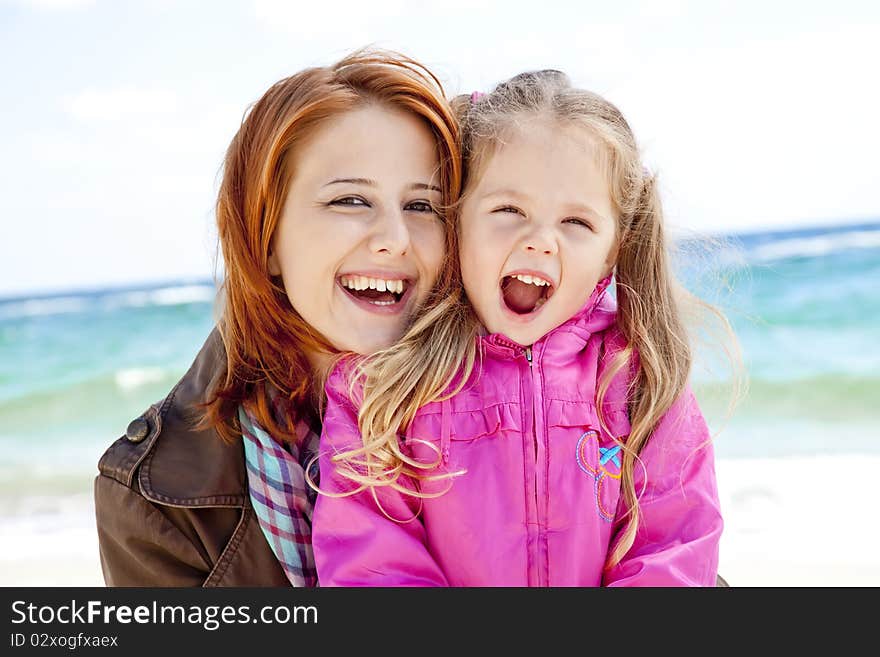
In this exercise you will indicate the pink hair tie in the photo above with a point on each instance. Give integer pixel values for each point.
(475, 96)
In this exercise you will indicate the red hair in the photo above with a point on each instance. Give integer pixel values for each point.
(265, 339)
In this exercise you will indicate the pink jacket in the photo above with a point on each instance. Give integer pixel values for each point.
(539, 501)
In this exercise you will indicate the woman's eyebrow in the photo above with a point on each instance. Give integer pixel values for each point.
(352, 181)
(372, 183)
(425, 186)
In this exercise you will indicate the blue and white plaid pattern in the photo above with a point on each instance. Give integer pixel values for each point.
(282, 499)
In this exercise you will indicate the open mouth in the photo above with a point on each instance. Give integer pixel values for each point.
(375, 291)
(524, 294)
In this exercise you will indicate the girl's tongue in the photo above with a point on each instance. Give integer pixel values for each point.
(521, 298)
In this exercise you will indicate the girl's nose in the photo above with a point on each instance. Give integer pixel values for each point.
(540, 241)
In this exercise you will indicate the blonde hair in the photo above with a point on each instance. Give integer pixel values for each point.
(440, 348)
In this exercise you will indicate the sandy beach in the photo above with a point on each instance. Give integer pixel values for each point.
(788, 522)
(805, 521)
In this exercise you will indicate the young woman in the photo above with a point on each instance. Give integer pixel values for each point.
(331, 226)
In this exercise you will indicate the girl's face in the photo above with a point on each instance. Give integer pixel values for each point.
(358, 245)
(538, 232)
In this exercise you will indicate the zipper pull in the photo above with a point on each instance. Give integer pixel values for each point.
(529, 355)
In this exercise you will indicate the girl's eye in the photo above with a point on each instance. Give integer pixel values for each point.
(420, 206)
(509, 208)
(578, 222)
(350, 201)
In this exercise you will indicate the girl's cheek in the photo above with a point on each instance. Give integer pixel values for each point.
(483, 228)
(467, 239)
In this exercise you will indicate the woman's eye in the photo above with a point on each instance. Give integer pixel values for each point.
(578, 222)
(509, 208)
(420, 206)
(350, 201)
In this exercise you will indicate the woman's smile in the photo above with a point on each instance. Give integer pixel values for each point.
(381, 292)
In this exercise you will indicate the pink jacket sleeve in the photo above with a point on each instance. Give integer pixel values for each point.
(355, 543)
(678, 537)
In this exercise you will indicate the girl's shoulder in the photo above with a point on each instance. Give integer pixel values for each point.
(343, 384)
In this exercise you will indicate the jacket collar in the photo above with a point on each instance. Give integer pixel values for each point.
(184, 466)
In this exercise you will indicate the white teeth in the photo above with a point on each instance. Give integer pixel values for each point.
(378, 284)
(531, 280)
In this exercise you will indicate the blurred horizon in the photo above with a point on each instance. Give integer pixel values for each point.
(717, 242)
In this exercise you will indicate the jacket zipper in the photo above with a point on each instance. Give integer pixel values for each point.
(534, 428)
(537, 550)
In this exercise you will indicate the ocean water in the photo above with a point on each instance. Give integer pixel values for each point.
(805, 305)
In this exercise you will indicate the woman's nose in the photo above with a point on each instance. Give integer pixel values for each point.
(391, 235)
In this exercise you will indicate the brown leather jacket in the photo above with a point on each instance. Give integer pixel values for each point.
(172, 503)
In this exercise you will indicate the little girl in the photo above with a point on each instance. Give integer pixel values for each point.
(529, 430)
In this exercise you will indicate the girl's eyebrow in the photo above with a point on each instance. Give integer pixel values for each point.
(506, 191)
(586, 209)
(573, 207)
(372, 183)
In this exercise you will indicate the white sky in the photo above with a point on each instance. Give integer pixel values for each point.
(115, 114)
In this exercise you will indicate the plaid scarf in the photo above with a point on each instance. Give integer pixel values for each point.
(280, 495)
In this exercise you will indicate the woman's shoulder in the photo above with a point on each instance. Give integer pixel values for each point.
(172, 502)
(167, 459)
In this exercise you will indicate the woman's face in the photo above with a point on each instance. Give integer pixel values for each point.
(359, 245)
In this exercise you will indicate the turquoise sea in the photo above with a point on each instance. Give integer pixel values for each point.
(76, 367)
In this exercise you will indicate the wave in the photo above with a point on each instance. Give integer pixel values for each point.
(107, 300)
(79, 405)
(39, 307)
(702, 253)
(166, 296)
(136, 377)
(825, 398)
(809, 416)
(812, 247)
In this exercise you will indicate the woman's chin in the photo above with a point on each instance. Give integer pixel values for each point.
(363, 339)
